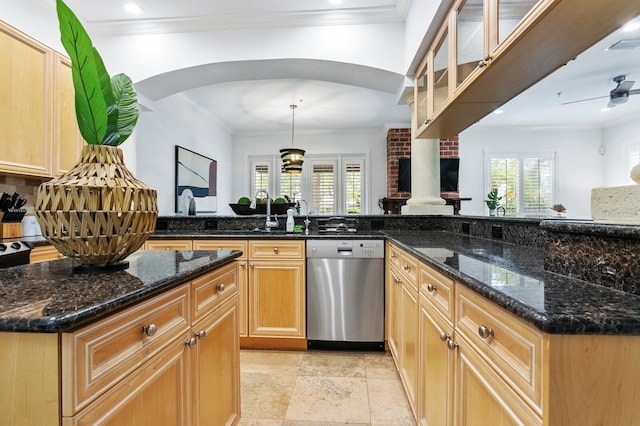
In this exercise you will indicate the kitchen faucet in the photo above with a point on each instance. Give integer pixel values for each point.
(269, 223)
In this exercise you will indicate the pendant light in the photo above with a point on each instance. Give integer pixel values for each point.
(292, 158)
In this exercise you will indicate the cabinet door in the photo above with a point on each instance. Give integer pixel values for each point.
(277, 299)
(68, 141)
(436, 368)
(26, 92)
(155, 394)
(44, 253)
(482, 398)
(394, 314)
(216, 367)
(409, 342)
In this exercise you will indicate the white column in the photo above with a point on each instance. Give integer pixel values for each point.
(425, 174)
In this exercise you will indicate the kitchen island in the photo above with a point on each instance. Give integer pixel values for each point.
(144, 344)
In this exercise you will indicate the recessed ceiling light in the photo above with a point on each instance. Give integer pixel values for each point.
(605, 109)
(631, 26)
(133, 8)
(498, 111)
(336, 1)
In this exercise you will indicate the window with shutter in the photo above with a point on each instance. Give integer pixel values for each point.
(525, 182)
(353, 188)
(633, 159)
(290, 184)
(323, 182)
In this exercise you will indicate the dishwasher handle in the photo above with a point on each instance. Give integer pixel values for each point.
(345, 251)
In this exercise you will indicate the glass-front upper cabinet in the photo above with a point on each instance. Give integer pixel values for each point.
(509, 14)
(470, 38)
(421, 95)
(441, 71)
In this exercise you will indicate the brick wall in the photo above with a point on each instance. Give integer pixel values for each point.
(399, 146)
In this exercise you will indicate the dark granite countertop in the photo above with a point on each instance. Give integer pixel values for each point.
(53, 296)
(257, 235)
(513, 277)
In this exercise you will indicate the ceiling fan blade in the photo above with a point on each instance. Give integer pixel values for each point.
(634, 91)
(623, 87)
(611, 104)
(584, 100)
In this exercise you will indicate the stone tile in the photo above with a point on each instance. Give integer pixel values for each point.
(259, 422)
(265, 396)
(272, 362)
(329, 399)
(333, 364)
(380, 367)
(388, 403)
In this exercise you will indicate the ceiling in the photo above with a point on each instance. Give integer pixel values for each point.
(258, 105)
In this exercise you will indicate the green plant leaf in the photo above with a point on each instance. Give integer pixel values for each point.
(127, 103)
(111, 136)
(91, 108)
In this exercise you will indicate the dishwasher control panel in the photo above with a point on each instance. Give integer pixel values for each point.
(345, 248)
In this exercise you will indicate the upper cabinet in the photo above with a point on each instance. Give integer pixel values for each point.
(487, 52)
(39, 134)
(26, 93)
(68, 142)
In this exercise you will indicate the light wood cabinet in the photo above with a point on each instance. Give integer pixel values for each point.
(277, 289)
(44, 253)
(67, 137)
(168, 245)
(242, 275)
(215, 361)
(403, 337)
(26, 90)
(496, 50)
(170, 360)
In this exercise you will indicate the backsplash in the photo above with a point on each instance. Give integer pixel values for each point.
(27, 187)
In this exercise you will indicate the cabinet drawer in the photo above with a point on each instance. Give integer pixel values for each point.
(95, 357)
(437, 289)
(512, 347)
(222, 245)
(44, 253)
(405, 263)
(276, 249)
(168, 245)
(210, 290)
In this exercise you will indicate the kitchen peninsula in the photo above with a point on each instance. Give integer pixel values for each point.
(140, 343)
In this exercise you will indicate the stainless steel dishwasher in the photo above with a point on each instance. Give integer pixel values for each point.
(345, 294)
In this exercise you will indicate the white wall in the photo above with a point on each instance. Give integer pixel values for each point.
(617, 139)
(353, 141)
(177, 121)
(579, 164)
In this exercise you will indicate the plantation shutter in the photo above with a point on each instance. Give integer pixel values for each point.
(290, 184)
(260, 177)
(505, 177)
(537, 190)
(324, 188)
(353, 188)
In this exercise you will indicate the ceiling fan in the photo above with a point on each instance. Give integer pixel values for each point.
(617, 96)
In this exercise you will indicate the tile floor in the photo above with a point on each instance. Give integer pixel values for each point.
(321, 388)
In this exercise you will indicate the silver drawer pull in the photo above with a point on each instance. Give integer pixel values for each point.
(201, 334)
(485, 332)
(393, 256)
(406, 267)
(396, 279)
(431, 288)
(444, 336)
(452, 345)
(220, 287)
(150, 329)
(191, 342)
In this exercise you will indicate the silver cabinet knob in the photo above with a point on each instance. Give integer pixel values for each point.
(444, 336)
(201, 334)
(393, 256)
(431, 288)
(452, 345)
(276, 250)
(242, 264)
(406, 267)
(191, 342)
(150, 329)
(485, 332)
(396, 279)
(220, 287)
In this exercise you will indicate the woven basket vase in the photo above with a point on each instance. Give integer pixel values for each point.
(97, 213)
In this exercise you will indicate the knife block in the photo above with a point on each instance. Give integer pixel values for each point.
(11, 230)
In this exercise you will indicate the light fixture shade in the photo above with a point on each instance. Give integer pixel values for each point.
(292, 159)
